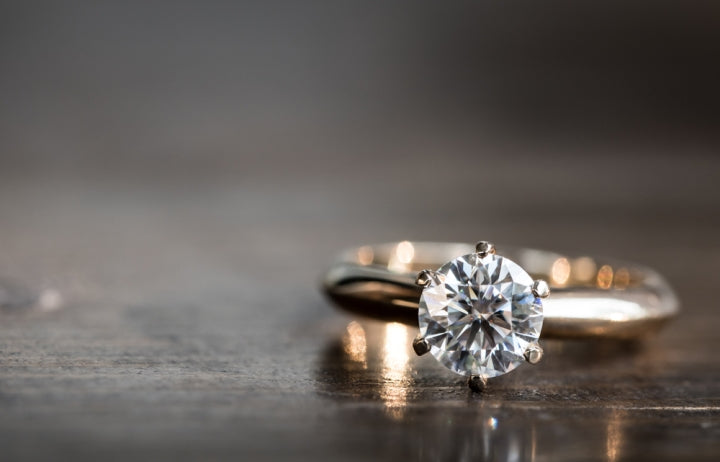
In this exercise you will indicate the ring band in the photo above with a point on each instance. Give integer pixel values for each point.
(481, 314)
(592, 297)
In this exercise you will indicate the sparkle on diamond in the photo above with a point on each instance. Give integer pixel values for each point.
(482, 316)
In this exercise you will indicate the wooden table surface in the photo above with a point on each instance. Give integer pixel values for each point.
(167, 213)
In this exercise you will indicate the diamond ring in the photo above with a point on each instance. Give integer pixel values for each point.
(481, 314)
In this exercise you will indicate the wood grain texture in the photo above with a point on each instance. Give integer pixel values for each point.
(184, 331)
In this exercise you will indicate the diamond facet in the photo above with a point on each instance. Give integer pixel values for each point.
(480, 315)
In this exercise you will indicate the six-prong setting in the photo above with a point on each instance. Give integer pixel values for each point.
(421, 346)
(484, 248)
(480, 315)
(477, 383)
(540, 288)
(426, 277)
(533, 354)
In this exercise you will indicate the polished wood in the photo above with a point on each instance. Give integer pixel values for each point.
(174, 326)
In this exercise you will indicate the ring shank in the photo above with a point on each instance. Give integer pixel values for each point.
(590, 297)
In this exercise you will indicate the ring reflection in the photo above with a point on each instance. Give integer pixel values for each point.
(395, 371)
(371, 364)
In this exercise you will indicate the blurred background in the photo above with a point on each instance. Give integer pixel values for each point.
(175, 176)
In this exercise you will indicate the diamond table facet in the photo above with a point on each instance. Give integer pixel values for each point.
(480, 315)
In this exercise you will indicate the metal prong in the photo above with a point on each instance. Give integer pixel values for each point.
(534, 354)
(425, 277)
(484, 248)
(477, 383)
(420, 345)
(540, 288)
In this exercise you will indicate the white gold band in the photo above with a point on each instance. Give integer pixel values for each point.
(591, 297)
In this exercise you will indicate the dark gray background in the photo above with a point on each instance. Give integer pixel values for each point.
(174, 178)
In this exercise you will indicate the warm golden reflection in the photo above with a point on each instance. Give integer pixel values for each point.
(492, 423)
(583, 269)
(355, 343)
(405, 252)
(560, 271)
(605, 277)
(401, 257)
(614, 435)
(395, 372)
(487, 436)
(622, 278)
(365, 255)
(533, 444)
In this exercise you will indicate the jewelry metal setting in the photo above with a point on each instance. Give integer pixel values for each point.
(480, 315)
